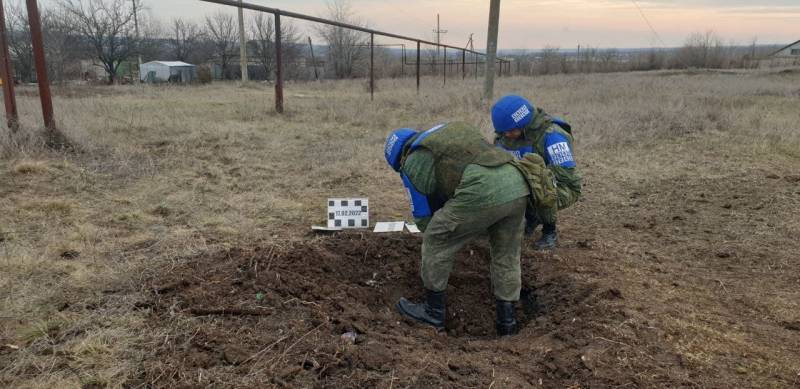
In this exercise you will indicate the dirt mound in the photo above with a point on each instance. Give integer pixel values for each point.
(322, 314)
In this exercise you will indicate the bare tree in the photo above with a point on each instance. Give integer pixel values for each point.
(263, 43)
(702, 51)
(223, 33)
(108, 26)
(345, 47)
(63, 48)
(186, 39)
(551, 60)
(19, 41)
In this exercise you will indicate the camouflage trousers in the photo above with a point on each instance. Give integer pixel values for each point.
(453, 226)
(566, 198)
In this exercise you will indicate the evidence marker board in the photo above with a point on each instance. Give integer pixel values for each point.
(348, 213)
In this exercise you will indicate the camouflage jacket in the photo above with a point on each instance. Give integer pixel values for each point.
(555, 144)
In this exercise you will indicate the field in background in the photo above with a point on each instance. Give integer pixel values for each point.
(680, 266)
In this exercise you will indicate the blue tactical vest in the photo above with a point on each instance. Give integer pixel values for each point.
(555, 148)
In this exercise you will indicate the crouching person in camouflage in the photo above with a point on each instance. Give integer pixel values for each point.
(461, 187)
(521, 129)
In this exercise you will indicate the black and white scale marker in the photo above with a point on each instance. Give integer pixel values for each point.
(348, 213)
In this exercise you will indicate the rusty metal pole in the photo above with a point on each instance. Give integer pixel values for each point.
(372, 66)
(444, 66)
(279, 65)
(463, 64)
(418, 62)
(476, 65)
(41, 65)
(7, 76)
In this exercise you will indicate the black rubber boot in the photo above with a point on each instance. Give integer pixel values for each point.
(549, 238)
(531, 222)
(432, 311)
(506, 322)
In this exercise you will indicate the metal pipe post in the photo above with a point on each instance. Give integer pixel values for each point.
(418, 62)
(279, 65)
(463, 64)
(403, 63)
(41, 64)
(444, 66)
(7, 76)
(476, 65)
(372, 66)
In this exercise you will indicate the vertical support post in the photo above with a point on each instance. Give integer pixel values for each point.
(7, 76)
(372, 66)
(313, 59)
(278, 65)
(475, 55)
(41, 65)
(463, 64)
(136, 27)
(491, 49)
(444, 66)
(403, 63)
(242, 45)
(418, 62)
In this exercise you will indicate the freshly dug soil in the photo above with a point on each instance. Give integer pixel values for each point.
(321, 314)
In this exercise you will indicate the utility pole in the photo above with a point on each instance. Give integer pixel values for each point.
(438, 31)
(313, 60)
(491, 49)
(138, 39)
(242, 44)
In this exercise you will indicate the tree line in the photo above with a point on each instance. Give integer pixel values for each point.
(113, 33)
(110, 34)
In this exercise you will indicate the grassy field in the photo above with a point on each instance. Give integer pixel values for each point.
(691, 218)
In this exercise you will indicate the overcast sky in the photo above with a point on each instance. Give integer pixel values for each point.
(531, 24)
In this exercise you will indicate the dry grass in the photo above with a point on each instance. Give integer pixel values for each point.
(165, 173)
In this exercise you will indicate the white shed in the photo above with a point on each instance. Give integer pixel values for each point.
(791, 51)
(163, 71)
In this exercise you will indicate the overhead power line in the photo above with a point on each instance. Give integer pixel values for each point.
(646, 20)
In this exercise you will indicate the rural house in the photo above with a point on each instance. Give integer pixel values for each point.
(163, 71)
(790, 51)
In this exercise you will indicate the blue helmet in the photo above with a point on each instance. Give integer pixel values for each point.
(511, 112)
(393, 150)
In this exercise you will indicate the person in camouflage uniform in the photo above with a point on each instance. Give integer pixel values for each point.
(522, 128)
(461, 187)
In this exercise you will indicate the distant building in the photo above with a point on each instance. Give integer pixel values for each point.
(790, 51)
(167, 71)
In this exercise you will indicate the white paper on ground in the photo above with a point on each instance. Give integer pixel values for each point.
(389, 227)
(412, 228)
(324, 228)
